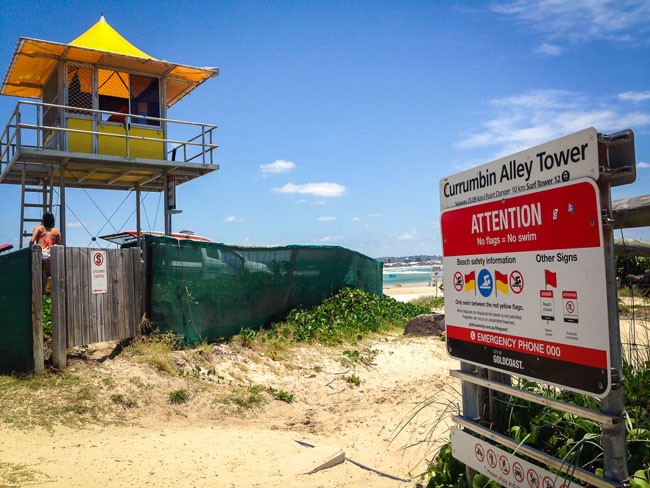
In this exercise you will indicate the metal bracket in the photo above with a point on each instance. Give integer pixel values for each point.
(617, 381)
(621, 156)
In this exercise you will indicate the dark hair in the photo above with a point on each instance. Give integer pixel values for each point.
(48, 219)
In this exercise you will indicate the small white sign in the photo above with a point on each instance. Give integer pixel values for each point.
(570, 302)
(546, 304)
(171, 192)
(98, 275)
(503, 467)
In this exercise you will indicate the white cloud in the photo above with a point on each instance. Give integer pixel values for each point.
(534, 117)
(407, 236)
(330, 239)
(581, 20)
(327, 190)
(231, 219)
(376, 215)
(279, 166)
(74, 225)
(356, 219)
(643, 165)
(635, 96)
(547, 49)
(326, 218)
(305, 201)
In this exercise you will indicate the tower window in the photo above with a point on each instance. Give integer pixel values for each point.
(128, 94)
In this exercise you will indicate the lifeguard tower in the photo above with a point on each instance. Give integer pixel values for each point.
(99, 120)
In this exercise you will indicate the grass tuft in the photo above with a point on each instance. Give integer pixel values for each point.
(244, 398)
(156, 350)
(179, 396)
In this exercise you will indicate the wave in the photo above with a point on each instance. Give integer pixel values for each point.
(423, 270)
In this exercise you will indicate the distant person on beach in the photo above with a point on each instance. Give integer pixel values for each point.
(46, 236)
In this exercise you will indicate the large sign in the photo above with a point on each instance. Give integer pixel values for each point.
(565, 159)
(525, 288)
(504, 467)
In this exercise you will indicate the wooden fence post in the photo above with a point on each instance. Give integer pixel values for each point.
(37, 309)
(59, 308)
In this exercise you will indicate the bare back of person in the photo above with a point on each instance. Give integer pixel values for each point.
(46, 237)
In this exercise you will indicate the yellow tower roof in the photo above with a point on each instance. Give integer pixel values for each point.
(34, 60)
(102, 37)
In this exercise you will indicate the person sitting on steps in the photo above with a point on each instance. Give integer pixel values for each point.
(46, 236)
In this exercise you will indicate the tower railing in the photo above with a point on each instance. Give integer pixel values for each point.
(38, 126)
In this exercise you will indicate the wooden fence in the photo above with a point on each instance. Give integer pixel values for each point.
(82, 313)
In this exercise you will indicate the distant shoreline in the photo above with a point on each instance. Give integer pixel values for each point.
(409, 292)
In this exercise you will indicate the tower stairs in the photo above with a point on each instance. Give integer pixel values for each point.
(35, 200)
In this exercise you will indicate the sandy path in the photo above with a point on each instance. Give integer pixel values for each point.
(195, 447)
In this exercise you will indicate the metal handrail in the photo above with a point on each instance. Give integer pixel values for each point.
(11, 140)
(83, 109)
(108, 134)
(6, 146)
(211, 147)
(599, 417)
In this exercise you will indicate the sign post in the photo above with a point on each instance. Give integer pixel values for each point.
(530, 285)
(170, 200)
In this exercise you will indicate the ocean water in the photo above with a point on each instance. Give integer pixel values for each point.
(409, 275)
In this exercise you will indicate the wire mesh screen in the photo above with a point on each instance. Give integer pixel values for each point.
(80, 87)
(51, 138)
(634, 308)
(207, 291)
(634, 323)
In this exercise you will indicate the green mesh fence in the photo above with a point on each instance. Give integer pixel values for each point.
(207, 291)
(16, 336)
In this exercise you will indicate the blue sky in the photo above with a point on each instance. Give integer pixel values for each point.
(338, 119)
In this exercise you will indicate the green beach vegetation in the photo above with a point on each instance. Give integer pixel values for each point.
(348, 316)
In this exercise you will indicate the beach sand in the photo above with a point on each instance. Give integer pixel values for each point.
(200, 444)
(406, 293)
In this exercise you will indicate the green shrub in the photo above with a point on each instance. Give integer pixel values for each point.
(348, 316)
(283, 396)
(47, 315)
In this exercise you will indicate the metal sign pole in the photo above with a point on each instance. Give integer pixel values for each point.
(168, 215)
(138, 228)
(62, 207)
(614, 435)
(471, 406)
